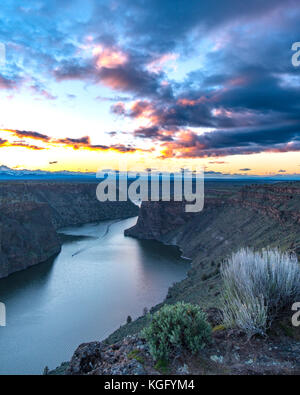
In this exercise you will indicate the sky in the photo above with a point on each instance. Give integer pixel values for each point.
(89, 84)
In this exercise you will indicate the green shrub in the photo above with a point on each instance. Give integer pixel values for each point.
(177, 327)
(135, 354)
(162, 366)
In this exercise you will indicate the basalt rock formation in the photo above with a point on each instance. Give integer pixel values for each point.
(229, 353)
(27, 236)
(31, 212)
(253, 216)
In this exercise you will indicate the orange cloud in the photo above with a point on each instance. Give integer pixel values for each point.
(109, 58)
(185, 145)
(188, 102)
(3, 142)
(144, 111)
(25, 145)
(80, 143)
(6, 143)
(31, 135)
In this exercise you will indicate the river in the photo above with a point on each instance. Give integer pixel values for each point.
(84, 294)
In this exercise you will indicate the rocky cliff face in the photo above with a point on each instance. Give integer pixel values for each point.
(27, 236)
(69, 203)
(227, 210)
(254, 216)
(30, 213)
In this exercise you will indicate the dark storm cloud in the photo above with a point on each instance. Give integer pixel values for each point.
(131, 76)
(161, 25)
(283, 138)
(259, 89)
(154, 132)
(247, 137)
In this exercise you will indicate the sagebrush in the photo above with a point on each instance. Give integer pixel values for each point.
(177, 327)
(257, 287)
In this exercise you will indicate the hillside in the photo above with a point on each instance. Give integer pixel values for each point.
(252, 216)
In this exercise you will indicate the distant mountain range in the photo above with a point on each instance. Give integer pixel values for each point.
(6, 173)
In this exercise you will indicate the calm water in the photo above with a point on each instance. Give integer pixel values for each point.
(82, 295)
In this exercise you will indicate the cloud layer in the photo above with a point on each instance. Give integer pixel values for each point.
(48, 142)
(199, 79)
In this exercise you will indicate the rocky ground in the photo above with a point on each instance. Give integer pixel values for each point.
(229, 353)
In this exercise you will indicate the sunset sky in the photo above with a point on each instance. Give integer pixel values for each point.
(87, 83)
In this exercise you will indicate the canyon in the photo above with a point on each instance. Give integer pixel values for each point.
(32, 212)
(254, 216)
(234, 216)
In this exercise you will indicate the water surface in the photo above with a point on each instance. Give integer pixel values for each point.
(82, 295)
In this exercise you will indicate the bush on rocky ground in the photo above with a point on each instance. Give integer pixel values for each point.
(177, 327)
(258, 286)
